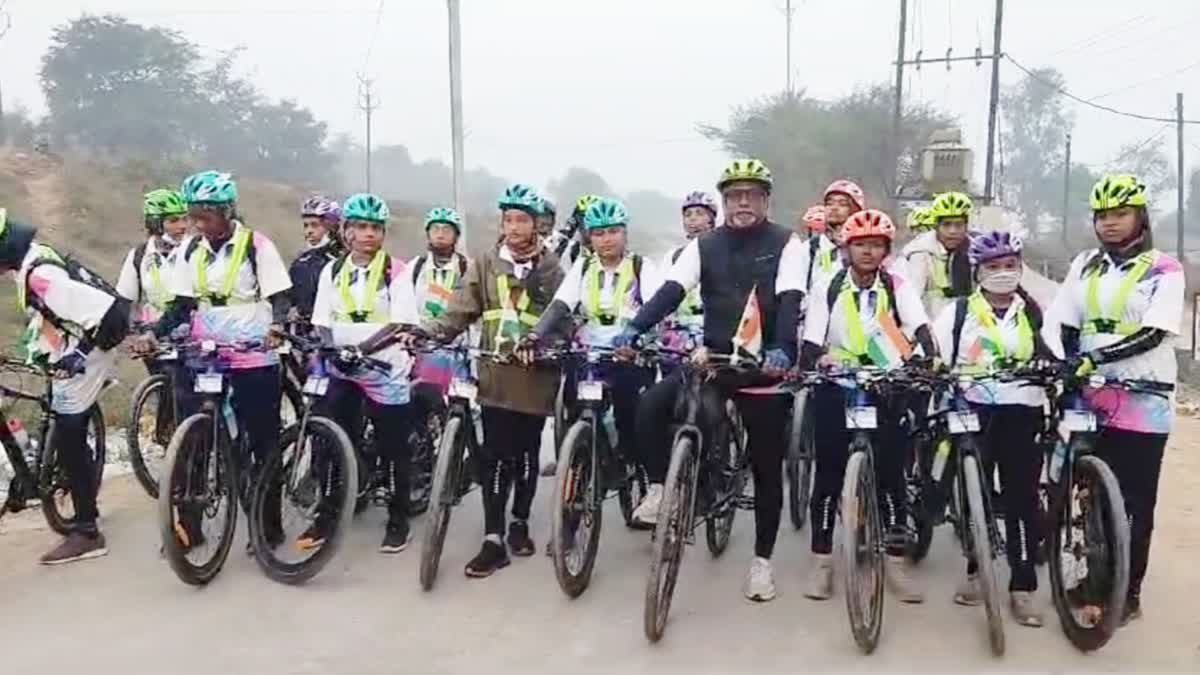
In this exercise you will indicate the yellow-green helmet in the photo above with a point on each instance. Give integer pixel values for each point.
(582, 204)
(950, 205)
(752, 170)
(1115, 191)
(921, 219)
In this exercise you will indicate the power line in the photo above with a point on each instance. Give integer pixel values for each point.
(374, 34)
(1156, 78)
(1086, 42)
(1131, 150)
(1090, 103)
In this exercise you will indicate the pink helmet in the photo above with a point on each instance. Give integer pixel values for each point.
(814, 218)
(848, 188)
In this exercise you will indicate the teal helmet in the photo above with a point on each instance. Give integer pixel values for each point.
(366, 207)
(209, 188)
(445, 216)
(605, 213)
(522, 198)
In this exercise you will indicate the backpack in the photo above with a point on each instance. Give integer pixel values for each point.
(106, 339)
(814, 244)
(420, 264)
(960, 318)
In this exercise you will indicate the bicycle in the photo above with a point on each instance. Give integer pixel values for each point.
(37, 475)
(798, 461)
(704, 484)
(591, 466)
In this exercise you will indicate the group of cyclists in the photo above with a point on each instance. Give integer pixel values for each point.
(834, 291)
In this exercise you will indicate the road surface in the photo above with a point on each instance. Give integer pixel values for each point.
(127, 613)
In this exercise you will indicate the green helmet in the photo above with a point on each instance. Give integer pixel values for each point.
(582, 204)
(522, 198)
(605, 213)
(921, 219)
(441, 214)
(366, 207)
(209, 187)
(1115, 191)
(950, 205)
(163, 203)
(752, 170)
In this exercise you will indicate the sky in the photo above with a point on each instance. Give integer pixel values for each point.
(619, 86)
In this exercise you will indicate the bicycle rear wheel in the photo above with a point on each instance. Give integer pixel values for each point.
(861, 548)
(443, 495)
(798, 465)
(314, 478)
(56, 501)
(1089, 555)
(424, 442)
(578, 511)
(980, 545)
(670, 535)
(198, 503)
(149, 430)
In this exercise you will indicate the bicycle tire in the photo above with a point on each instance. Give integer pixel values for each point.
(798, 466)
(670, 534)
(424, 441)
(573, 480)
(1116, 530)
(179, 454)
(981, 548)
(336, 446)
(155, 385)
(54, 487)
(734, 472)
(859, 505)
(921, 522)
(443, 496)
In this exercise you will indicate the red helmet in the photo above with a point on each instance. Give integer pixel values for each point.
(869, 223)
(848, 188)
(814, 218)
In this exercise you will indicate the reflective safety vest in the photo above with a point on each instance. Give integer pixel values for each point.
(617, 308)
(982, 311)
(511, 320)
(856, 351)
(364, 311)
(1112, 322)
(241, 246)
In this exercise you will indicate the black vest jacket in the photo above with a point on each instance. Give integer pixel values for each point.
(732, 262)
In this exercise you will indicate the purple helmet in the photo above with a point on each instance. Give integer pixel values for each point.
(321, 207)
(702, 199)
(992, 245)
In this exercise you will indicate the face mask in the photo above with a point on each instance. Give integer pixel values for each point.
(1000, 282)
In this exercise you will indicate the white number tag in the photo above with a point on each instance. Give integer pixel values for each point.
(861, 417)
(208, 346)
(172, 355)
(316, 386)
(962, 421)
(591, 390)
(463, 389)
(284, 349)
(1079, 420)
(208, 383)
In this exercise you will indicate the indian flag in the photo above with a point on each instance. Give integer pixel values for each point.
(888, 346)
(749, 333)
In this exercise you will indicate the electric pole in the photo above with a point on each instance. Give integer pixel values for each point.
(1179, 190)
(1066, 190)
(898, 95)
(788, 11)
(993, 102)
(456, 117)
(5, 24)
(367, 103)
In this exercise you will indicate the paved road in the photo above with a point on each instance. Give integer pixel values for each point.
(127, 613)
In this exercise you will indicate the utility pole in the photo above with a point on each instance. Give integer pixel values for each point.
(897, 110)
(5, 24)
(788, 11)
(993, 102)
(1179, 190)
(367, 103)
(1066, 190)
(456, 117)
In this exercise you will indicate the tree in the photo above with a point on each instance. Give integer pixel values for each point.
(576, 182)
(1034, 136)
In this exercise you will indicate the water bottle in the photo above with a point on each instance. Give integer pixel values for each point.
(1057, 459)
(610, 428)
(940, 455)
(230, 418)
(21, 436)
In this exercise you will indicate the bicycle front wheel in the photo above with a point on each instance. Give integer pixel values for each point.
(578, 511)
(727, 482)
(980, 545)
(198, 501)
(798, 465)
(149, 430)
(1089, 555)
(57, 504)
(443, 495)
(670, 534)
(862, 548)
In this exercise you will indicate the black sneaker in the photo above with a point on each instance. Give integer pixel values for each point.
(395, 538)
(1133, 610)
(518, 539)
(491, 558)
(77, 546)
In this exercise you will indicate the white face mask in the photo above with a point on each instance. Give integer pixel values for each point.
(1005, 281)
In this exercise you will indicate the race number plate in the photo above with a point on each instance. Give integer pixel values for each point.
(861, 417)
(316, 386)
(208, 346)
(463, 389)
(962, 422)
(591, 390)
(1079, 420)
(172, 355)
(208, 383)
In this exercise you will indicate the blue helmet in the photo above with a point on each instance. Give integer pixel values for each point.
(523, 198)
(209, 187)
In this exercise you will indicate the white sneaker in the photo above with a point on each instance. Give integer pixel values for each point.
(647, 512)
(820, 578)
(760, 581)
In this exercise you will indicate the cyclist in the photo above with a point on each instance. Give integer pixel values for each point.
(145, 275)
(75, 321)
(435, 276)
(361, 298)
(699, 213)
(861, 316)
(920, 220)
(508, 287)
(937, 259)
(812, 224)
(546, 219)
(322, 218)
(1120, 307)
(231, 285)
(998, 326)
(750, 267)
(843, 198)
(571, 242)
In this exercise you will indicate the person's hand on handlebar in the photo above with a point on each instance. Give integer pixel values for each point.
(348, 358)
(526, 349)
(409, 336)
(776, 362)
(626, 343)
(144, 344)
(274, 337)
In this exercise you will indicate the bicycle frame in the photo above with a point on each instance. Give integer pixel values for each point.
(34, 479)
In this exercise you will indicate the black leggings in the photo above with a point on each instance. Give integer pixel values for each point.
(832, 445)
(70, 442)
(1136, 459)
(511, 441)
